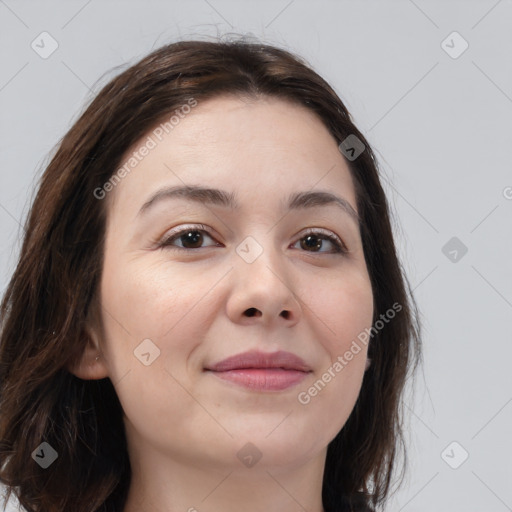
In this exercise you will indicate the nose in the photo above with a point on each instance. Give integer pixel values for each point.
(263, 291)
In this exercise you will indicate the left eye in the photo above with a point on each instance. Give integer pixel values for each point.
(315, 240)
(193, 238)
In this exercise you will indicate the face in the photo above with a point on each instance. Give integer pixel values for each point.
(189, 281)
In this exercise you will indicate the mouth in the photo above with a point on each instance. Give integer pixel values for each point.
(261, 371)
(262, 379)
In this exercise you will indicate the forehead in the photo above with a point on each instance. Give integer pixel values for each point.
(263, 146)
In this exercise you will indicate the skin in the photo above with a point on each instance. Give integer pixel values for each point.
(185, 426)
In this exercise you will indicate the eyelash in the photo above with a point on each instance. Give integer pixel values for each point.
(339, 246)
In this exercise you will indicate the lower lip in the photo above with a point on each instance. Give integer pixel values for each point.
(271, 379)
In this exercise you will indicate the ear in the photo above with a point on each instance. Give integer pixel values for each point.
(91, 364)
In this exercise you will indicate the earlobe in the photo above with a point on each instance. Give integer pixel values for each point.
(91, 368)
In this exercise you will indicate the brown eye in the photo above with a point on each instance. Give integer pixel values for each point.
(188, 238)
(191, 239)
(314, 241)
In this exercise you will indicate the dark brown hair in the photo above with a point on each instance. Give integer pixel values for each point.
(54, 286)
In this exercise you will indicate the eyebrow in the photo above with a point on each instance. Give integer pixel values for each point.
(206, 195)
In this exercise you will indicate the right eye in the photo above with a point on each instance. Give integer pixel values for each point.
(190, 237)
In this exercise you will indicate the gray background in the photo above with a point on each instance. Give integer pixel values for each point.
(441, 127)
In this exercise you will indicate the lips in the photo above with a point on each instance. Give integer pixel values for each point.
(261, 360)
(260, 371)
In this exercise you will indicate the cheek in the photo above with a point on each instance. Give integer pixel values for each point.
(344, 306)
(345, 310)
(152, 305)
(150, 301)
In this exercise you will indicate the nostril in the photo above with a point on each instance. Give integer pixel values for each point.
(251, 311)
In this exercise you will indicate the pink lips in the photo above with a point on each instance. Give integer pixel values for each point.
(262, 371)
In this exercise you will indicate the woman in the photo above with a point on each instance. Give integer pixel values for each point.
(208, 312)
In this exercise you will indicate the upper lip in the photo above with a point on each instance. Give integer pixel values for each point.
(257, 359)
